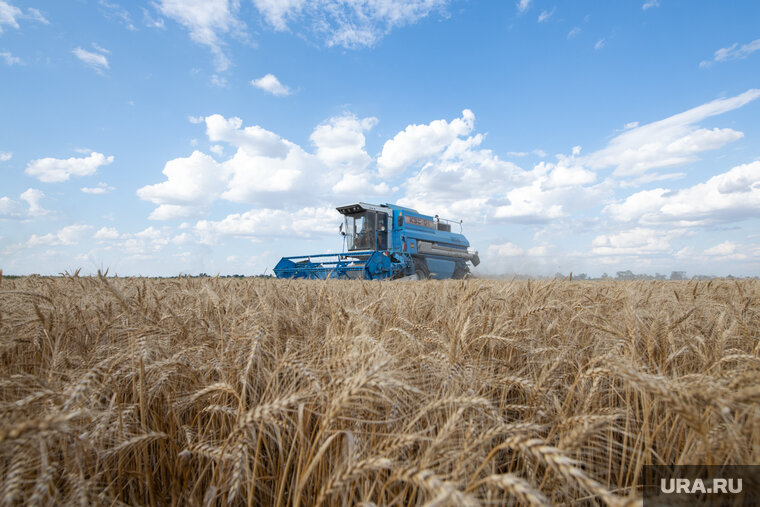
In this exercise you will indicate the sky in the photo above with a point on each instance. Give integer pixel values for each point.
(216, 136)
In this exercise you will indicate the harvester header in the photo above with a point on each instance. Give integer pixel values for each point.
(387, 241)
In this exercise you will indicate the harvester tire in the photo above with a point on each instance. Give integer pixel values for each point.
(421, 269)
(461, 271)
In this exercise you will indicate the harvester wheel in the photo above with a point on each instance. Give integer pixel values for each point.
(421, 269)
(461, 271)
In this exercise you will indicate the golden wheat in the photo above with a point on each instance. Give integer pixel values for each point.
(208, 391)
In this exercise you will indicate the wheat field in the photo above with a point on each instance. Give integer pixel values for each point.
(209, 391)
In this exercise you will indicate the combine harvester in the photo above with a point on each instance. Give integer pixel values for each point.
(387, 242)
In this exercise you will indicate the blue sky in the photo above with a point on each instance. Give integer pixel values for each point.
(215, 136)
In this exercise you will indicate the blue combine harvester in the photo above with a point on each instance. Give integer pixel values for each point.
(387, 242)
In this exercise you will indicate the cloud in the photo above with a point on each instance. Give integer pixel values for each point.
(219, 81)
(9, 58)
(97, 61)
(732, 196)
(11, 209)
(417, 143)
(51, 170)
(192, 184)
(106, 233)
(113, 10)
(5, 156)
(347, 23)
(266, 170)
(100, 49)
(733, 52)
(66, 236)
(10, 14)
(207, 21)
(33, 196)
(639, 241)
(649, 4)
(340, 142)
(670, 142)
(505, 250)
(256, 223)
(100, 189)
(574, 32)
(545, 15)
(523, 5)
(152, 22)
(271, 84)
(255, 140)
(445, 169)
(537, 152)
(599, 44)
(725, 248)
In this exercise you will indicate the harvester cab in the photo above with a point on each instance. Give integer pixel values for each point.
(387, 241)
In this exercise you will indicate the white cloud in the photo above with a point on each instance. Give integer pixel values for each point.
(669, 142)
(207, 21)
(545, 15)
(255, 140)
(263, 180)
(277, 12)
(67, 236)
(340, 142)
(650, 3)
(637, 241)
(537, 152)
(725, 248)
(219, 81)
(196, 119)
(523, 5)
(458, 178)
(36, 15)
(97, 61)
(530, 204)
(8, 15)
(257, 223)
(265, 170)
(271, 84)
(348, 23)
(417, 143)
(567, 174)
(5, 156)
(106, 233)
(114, 11)
(600, 44)
(100, 49)
(12, 209)
(733, 52)
(33, 196)
(728, 197)
(352, 185)
(152, 22)
(192, 184)
(574, 32)
(505, 250)
(9, 58)
(100, 189)
(49, 170)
